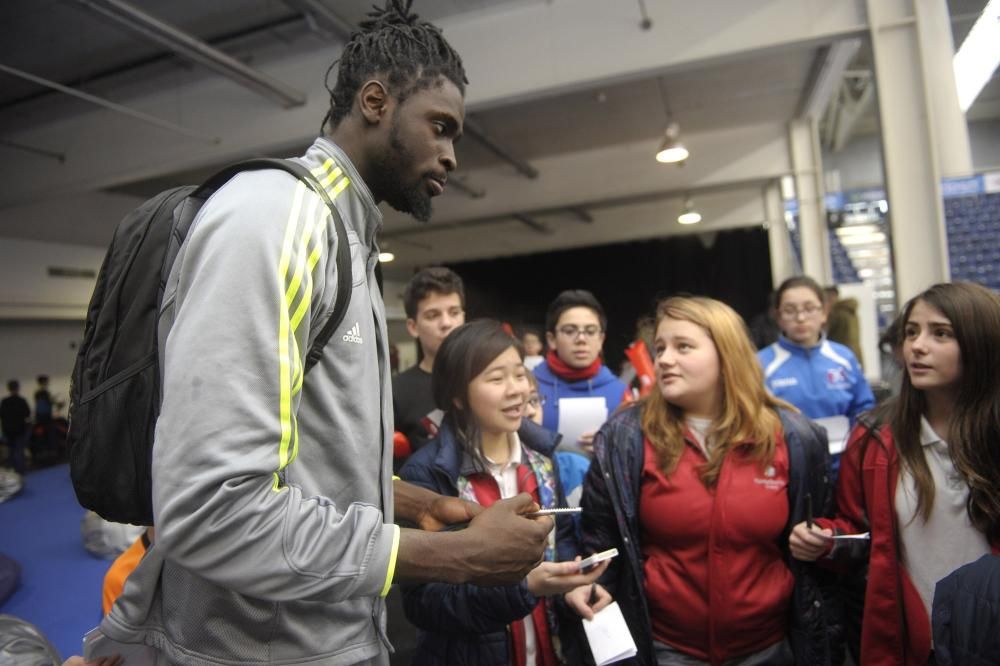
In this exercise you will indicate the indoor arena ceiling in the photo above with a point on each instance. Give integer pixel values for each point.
(542, 168)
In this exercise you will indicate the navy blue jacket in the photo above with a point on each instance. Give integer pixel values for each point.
(966, 615)
(467, 624)
(610, 519)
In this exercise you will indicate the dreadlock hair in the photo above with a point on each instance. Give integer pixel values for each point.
(411, 54)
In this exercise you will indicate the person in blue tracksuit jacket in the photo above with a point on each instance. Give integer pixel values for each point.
(822, 378)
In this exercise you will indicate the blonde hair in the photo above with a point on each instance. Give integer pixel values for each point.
(748, 419)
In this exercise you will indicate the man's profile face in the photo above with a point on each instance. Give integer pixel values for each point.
(437, 315)
(420, 151)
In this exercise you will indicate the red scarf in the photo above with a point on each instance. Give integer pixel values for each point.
(563, 371)
(487, 492)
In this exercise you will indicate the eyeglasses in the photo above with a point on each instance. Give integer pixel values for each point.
(792, 312)
(572, 330)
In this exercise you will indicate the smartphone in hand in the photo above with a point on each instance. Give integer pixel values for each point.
(597, 558)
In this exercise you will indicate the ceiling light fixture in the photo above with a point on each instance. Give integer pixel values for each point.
(671, 151)
(978, 56)
(690, 215)
(385, 257)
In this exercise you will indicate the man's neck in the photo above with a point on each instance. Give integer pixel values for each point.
(347, 137)
(427, 364)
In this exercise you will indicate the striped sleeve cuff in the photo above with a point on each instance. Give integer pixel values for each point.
(391, 573)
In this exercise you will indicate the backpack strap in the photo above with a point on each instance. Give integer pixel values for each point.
(344, 277)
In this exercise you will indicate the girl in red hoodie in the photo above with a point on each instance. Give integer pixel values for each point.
(697, 487)
(922, 475)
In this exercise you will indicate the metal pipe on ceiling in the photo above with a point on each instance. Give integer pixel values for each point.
(323, 17)
(477, 133)
(107, 104)
(197, 50)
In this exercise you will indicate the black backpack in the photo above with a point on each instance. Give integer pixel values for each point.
(115, 387)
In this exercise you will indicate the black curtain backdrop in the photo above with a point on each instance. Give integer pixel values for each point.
(627, 278)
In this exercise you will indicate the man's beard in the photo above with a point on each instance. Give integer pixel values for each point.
(394, 162)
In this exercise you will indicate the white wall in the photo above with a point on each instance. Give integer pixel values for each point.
(32, 348)
(860, 162)
(27, 291)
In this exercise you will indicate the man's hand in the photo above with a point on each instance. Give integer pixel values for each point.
(428, 510)
(444, 511)
(499, 547)
(558, 577)
(586, 442)
(808, 544)
(503, 545)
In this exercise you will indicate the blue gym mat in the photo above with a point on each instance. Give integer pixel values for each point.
(61, 582)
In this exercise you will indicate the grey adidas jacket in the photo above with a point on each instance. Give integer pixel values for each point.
(272, 497)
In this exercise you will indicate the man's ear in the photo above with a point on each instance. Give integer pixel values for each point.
(373, 98)
(411, 327)
(550, 338)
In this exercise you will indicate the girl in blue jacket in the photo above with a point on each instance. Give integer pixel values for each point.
(822, 378)
(485, 452)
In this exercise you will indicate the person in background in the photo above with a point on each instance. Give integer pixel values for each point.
(921, 474)
(822, 378)
(14, 415)
(43, 401)
(697, 486)
(533, 348)
(575, 329)
(484, 453)
(842, 320)
(434, 301)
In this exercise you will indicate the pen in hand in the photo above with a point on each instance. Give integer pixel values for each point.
(593, 594)
(809, 510)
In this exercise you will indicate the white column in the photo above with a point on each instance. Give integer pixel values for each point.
(937, 49)
(779, 242)
(909, 146)
(807, 169)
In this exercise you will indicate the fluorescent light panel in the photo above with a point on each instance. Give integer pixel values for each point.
(979, 55)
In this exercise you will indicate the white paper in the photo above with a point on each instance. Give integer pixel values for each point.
(837, 430)
(578, 416)
(609, 637)
(96, 644)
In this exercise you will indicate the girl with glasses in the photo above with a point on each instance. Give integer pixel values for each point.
(921, 475)
(698, 486)
(820, 377)
(485, 451)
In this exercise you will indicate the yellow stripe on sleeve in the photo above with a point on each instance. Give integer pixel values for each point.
(390, 574)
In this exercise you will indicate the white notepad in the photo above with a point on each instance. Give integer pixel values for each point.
(609, 637)
(578, 416)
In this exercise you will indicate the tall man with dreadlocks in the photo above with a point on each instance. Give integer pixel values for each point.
(274, 496)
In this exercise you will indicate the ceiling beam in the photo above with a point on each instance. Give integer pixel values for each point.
(477, 133)
(528, 217)
(825, 76)
(323, 18)
(192, 48)
(532, 224)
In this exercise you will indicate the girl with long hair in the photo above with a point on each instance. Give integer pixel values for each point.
(922, 475)
(698, 486)
(486, 451)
